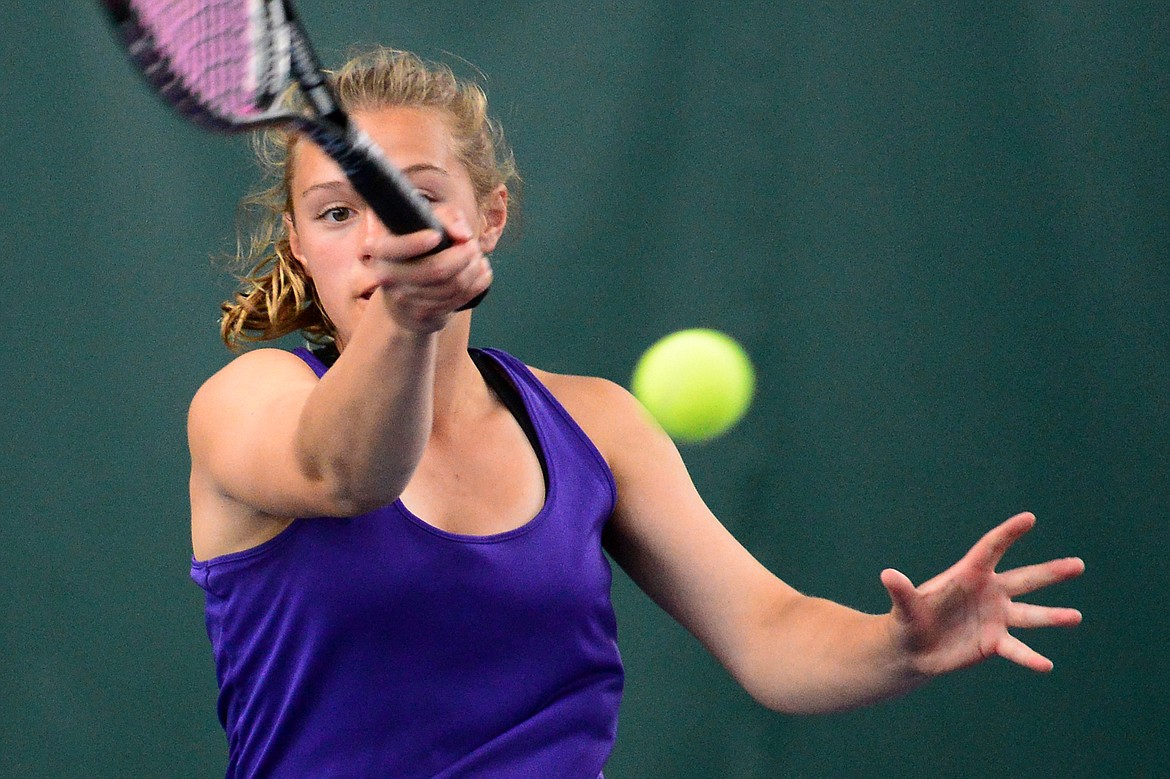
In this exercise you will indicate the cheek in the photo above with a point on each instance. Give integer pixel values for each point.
(317, 268)
(335, 301)
(329, 289)
(320, 256)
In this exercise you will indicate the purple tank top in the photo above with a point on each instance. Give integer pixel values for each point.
(380, 646)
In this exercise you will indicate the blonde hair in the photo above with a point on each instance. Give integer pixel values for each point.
(275, 296)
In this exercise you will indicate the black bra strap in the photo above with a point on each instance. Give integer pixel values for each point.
(327, 353)
(506, 391)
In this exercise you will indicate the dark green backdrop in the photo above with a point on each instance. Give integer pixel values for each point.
(939, 228)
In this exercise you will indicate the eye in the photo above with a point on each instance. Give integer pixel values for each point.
(336, 214)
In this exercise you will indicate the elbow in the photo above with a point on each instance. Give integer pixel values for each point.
(347, 505)
(794, 705)
(350, 500)
(785, 693)
(346, 491)
(754, 668)
(771, 694)
(356, 467)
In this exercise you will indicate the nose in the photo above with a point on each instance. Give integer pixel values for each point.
(376, 238)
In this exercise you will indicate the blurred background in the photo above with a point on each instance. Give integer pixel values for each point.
(940, 229)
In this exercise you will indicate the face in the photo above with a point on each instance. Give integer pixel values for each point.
(338, 239)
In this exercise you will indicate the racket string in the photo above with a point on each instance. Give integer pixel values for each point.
(220, 50)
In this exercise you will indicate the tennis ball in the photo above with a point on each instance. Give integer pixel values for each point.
(697, 383)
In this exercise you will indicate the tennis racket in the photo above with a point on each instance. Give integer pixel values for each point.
(223, 64)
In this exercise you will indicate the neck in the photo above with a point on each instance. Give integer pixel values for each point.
(459, 388)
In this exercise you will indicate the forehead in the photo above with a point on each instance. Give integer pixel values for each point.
(406, 131)
(408, 136)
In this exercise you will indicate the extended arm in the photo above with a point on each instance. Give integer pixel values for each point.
(266, 434)
(793, 652)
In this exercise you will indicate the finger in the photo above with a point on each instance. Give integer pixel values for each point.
(446, 282)
(481, 282)
(1012, 648)
(460, 230)
(1021, 581)
(436, 272)
(990, 549)
(420, 243)
(465, 282)
(901, 590)
(472, 279)
(1027, 615)
(456, 225)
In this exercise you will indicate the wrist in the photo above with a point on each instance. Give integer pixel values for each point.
(906, 660)
(379, 334)
(408, 312)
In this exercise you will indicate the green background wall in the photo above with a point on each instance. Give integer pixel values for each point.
(941, 229)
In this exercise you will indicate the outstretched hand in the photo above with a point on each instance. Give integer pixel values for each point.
(962, 616)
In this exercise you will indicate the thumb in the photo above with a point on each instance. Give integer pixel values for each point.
(420, 243)
(901, 590)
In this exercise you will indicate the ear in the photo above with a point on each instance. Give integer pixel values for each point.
(493, 215)
(294, 241)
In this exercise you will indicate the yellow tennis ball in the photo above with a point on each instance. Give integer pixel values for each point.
(697, 383)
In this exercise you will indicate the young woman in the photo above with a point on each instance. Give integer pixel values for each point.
(400, 539)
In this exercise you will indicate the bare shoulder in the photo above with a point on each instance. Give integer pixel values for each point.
(256, 369)
(584, 393)
(249, 379)
(234, 398)
(238, 427)
(608, 413)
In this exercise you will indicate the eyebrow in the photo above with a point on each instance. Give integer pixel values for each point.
(424, 167)
(340, 184)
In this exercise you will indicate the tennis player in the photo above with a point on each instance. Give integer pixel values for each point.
(401, 539)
